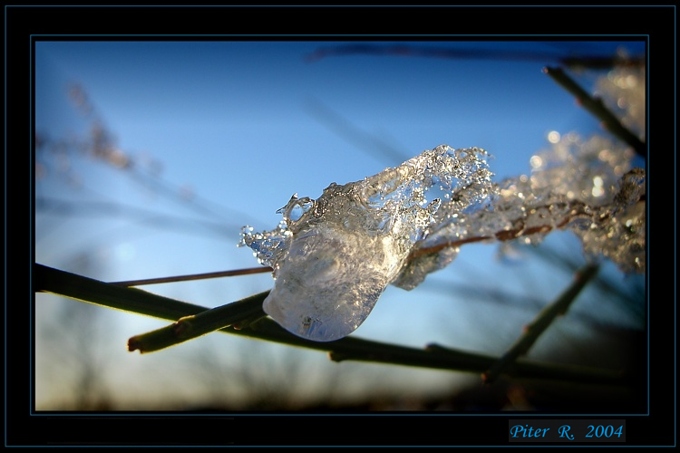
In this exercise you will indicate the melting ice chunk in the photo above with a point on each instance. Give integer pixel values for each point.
(330, 280)
(334, 256)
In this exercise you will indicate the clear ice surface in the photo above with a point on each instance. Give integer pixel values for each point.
(333, 257)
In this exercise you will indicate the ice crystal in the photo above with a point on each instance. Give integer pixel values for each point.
(333, 260)
(333, 257)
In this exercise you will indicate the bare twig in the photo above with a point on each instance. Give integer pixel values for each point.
(541, 323)
(450, 53)
(193, 326)
(597, 108)
(134, 300)
(183, 278)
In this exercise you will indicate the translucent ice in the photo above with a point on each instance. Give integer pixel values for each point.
(334, 256)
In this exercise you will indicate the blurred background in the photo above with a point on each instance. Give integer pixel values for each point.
(151, 156)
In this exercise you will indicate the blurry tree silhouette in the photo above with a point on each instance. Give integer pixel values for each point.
(71, 339)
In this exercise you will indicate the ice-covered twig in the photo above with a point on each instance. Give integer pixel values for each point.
(334, 256)
(615, 229)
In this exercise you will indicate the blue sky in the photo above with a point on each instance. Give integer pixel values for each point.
(244, 125)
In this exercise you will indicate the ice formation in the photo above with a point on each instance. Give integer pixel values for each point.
(333, 257)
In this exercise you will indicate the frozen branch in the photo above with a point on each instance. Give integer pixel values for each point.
(334, 256)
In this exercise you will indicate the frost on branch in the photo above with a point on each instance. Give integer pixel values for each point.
(334, 256)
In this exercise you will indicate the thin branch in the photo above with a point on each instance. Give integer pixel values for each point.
(401, 50)
(541, 323)
(56, 207)
(193, 326)
(597, 108)
(577, 210)
(344, 128)
(204, 276)
(432, 357)
(505, 235)
(85, 289)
